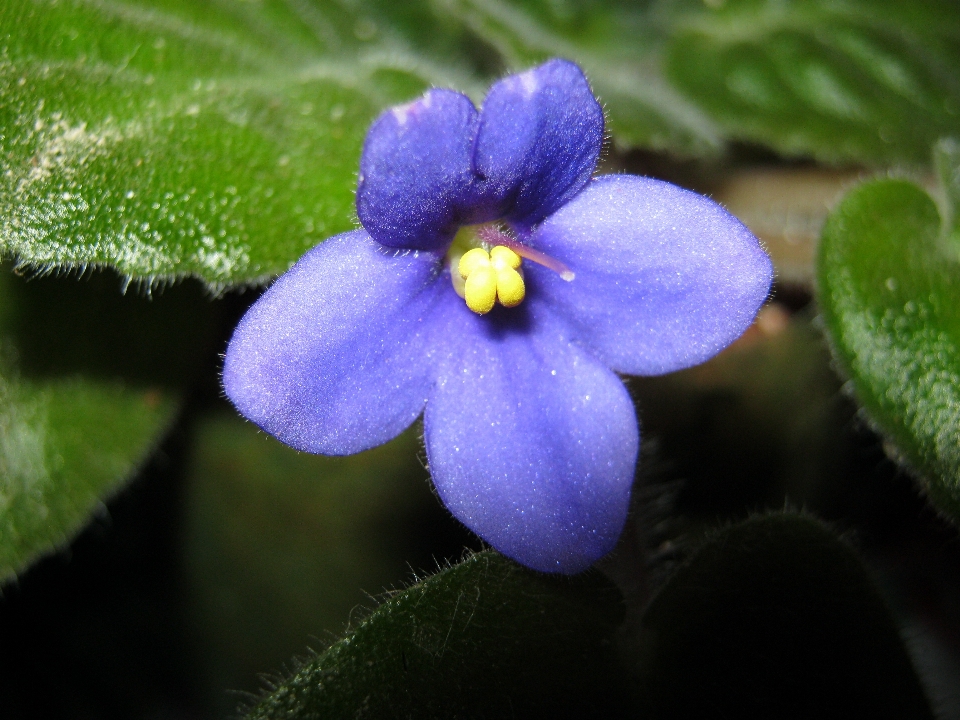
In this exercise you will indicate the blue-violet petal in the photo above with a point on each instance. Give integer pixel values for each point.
(416, 174)
(538, 141)
(531, 442)
(665, 278)
(335, 357)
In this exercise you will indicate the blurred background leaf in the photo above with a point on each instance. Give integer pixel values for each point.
(889, 290)
(773, 617)
(946, 160)
(482, 639)
(864, 81)
(88, 385)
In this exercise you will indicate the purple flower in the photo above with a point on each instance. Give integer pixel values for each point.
(530, 435)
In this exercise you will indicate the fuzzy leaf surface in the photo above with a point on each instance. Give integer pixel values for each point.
(168, 138)
(889, 289)
(485, 638)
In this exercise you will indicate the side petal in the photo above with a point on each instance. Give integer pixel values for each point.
(335, 357)
(665, 278)
(531, 443)
(416, 173)
(539, 140)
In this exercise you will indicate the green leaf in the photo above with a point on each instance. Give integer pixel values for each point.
(774, 617)
(66, 446)
(617, 44)
(872, 81)
(889, 289)
(485, 638)
(68, 440)
(172, 138)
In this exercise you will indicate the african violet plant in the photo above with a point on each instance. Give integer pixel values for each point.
(524, 279)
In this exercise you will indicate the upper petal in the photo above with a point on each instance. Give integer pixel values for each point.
(665, 278)
(539, 139)
(335, 357)
(532, 444)
(416, 173)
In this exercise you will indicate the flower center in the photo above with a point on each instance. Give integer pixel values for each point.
(491, 277)
(485, 266)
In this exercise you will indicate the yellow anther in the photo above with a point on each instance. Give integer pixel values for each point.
(510, 287)
(471, 260)
(480, 290)
(491, 277)
(502, 256)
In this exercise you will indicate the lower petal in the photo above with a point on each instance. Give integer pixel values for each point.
(335, 357)
(532, 444)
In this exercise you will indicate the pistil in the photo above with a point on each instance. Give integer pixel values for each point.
(493, 235)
